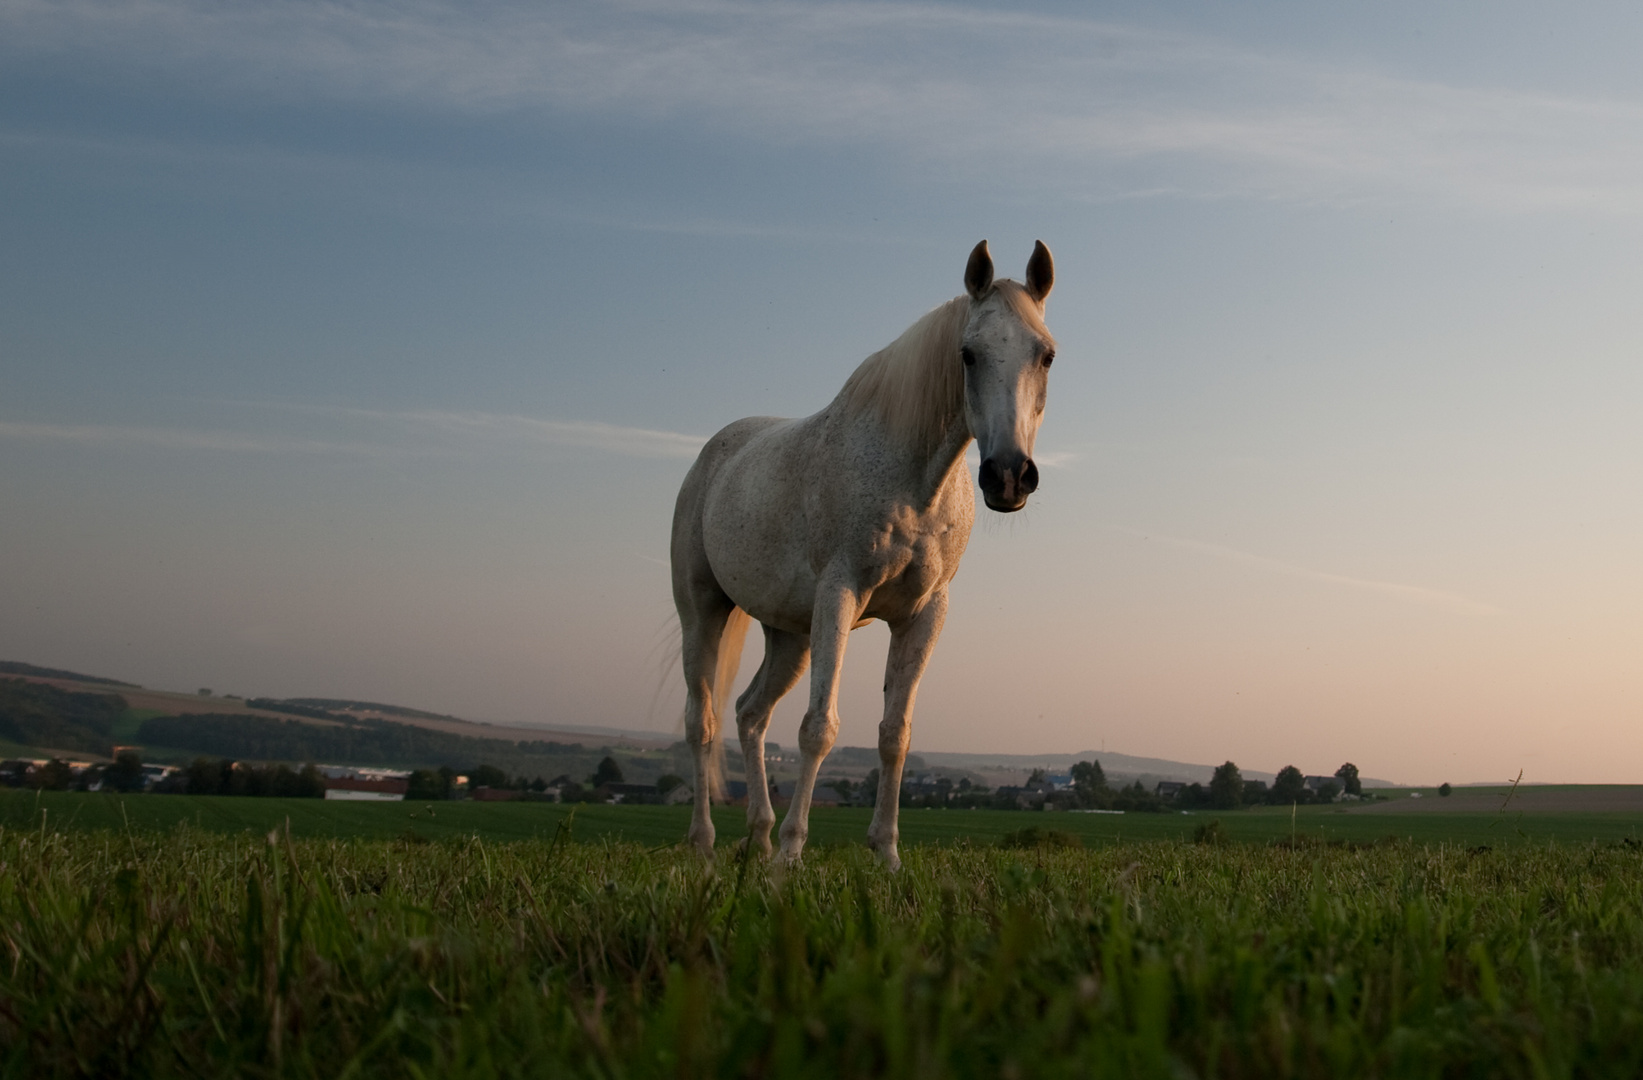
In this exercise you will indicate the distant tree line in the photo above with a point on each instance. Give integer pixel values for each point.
(1228, 790)
(593, 789)
(1090, 790)
(36, 714)
(354, 740)
(204, 776)
(226, 776)
(343, 704)
(292, 708)
(220, 776)
(123, 774)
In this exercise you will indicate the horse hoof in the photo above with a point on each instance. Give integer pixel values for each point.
(793, 847)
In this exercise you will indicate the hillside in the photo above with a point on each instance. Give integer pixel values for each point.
(317, 710)
(17, 667)
(367, 732)
(53, 713)
(382, 743)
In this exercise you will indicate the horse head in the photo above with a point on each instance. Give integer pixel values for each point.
(1007, 352)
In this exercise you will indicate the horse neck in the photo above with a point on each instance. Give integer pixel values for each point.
(946, 456)
(912, 393)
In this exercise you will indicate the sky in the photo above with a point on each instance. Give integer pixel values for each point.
(355, 349)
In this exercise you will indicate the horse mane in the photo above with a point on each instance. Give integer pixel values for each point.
(915, 384)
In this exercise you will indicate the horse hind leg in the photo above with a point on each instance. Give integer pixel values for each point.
(785, 657)
(711, 644)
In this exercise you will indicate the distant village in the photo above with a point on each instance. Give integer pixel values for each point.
(1084, 788)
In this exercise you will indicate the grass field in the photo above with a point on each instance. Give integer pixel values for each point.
(654, 825)
(174, 935)
(189, 952)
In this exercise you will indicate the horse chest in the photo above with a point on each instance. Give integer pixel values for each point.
(906, 564)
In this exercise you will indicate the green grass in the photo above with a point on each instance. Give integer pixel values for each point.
(652, 825)
(189, 952)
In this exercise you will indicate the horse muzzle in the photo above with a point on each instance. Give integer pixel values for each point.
(1006, 482)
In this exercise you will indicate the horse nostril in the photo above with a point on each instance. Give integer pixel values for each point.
(1029, 477)
(991, 478)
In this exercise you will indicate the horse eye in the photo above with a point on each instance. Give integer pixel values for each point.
(969, 357)
(1049, 358)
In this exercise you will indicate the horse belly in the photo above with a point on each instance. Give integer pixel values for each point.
(753, 527)
(776, 590)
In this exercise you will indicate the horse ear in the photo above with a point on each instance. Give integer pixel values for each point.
(1040, 272)
(978, 275)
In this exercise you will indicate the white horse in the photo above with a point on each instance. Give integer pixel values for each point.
(820, 525)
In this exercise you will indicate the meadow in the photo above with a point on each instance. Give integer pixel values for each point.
(654, 825)
(160, 947)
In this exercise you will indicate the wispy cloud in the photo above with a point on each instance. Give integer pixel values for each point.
(172, 438)
(418, 432)
(1416, 594)
(502, 427)
(1101, 110)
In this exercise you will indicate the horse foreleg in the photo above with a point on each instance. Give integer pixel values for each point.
(785, 656)
(836, 612)
(910, 647)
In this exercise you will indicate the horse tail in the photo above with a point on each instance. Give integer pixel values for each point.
(724, 682)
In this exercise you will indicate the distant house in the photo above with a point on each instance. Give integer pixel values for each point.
(828, 795)
(1025, 798)
(554, 791)
(1316, 783)
(354, 789)
(154, 774)
(922, 785)
(16, 771)
(359, 772)
(1167, 789)
(364, 784)
(632, 794)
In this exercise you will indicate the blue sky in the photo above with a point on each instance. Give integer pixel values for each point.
(355, 349)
